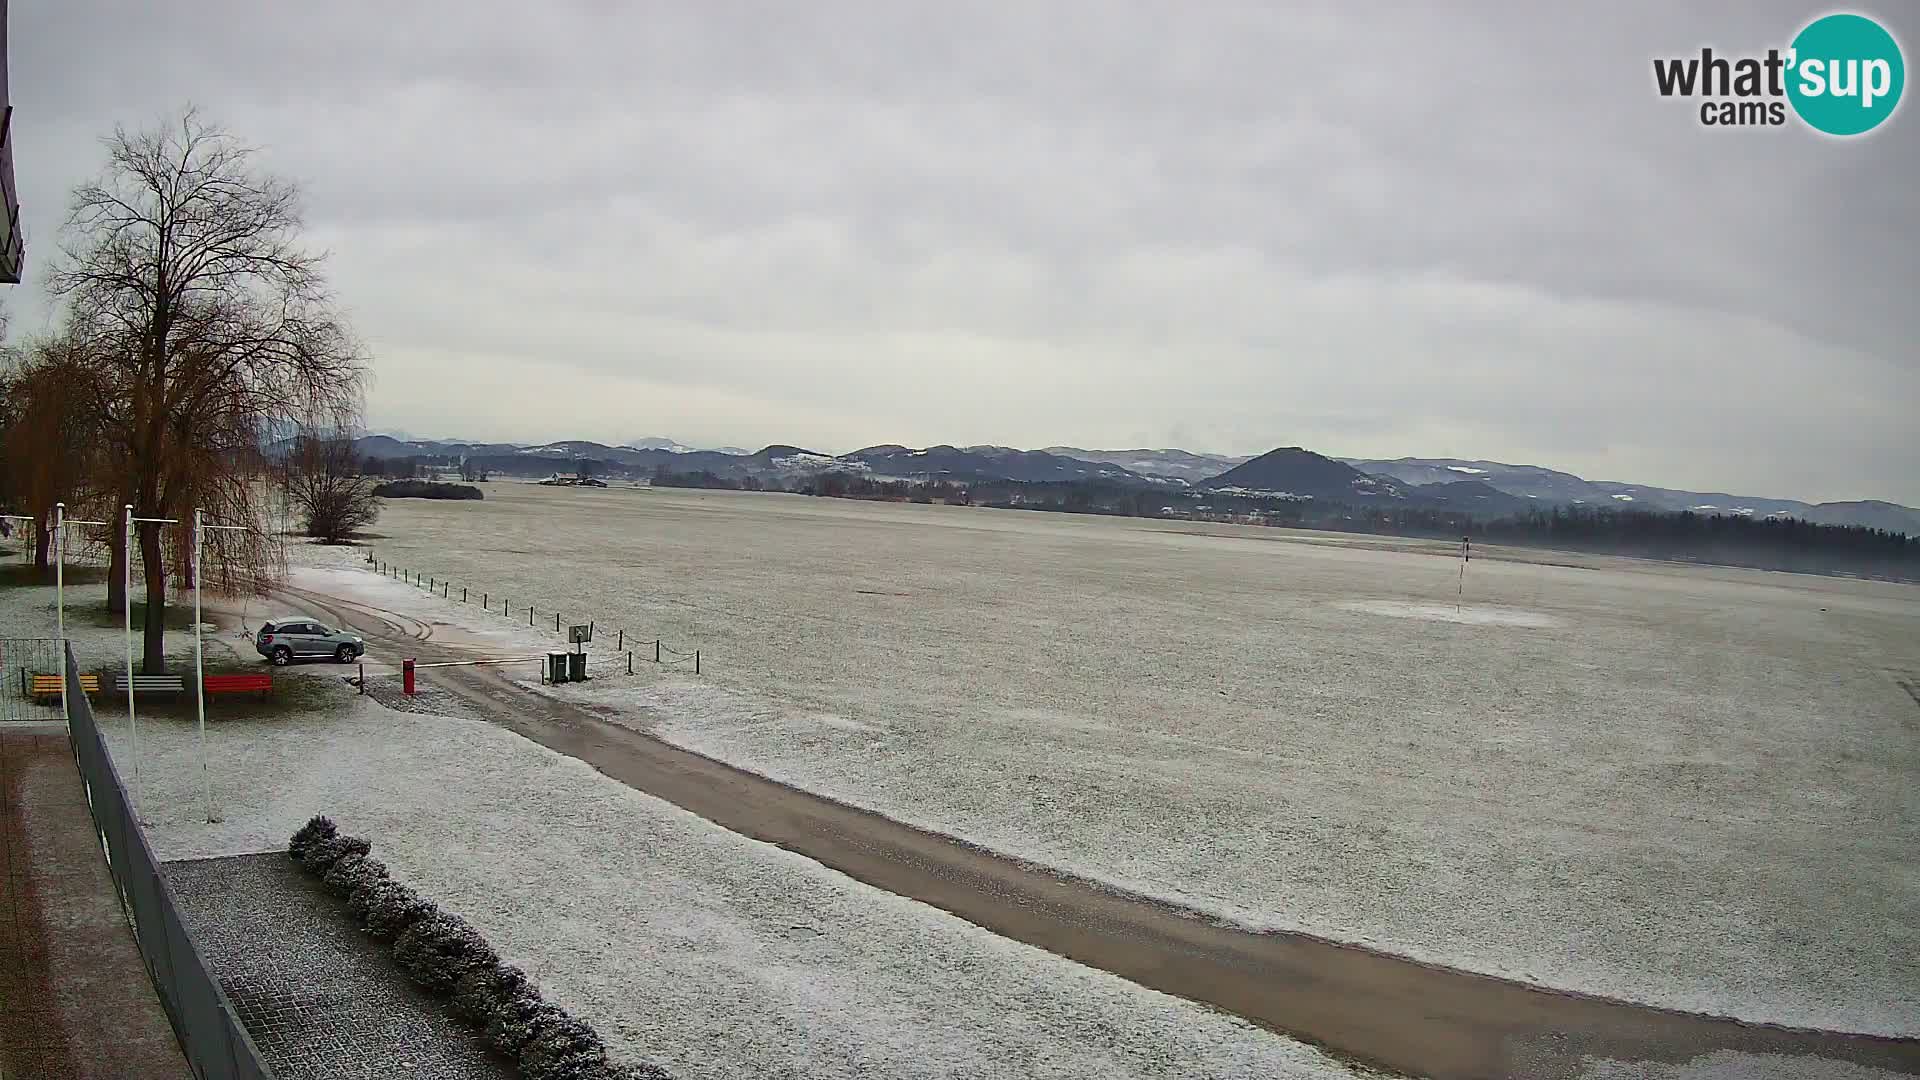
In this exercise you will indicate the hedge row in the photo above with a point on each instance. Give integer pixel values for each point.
(446, 955)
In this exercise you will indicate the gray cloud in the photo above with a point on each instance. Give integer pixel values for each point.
(1380, 230)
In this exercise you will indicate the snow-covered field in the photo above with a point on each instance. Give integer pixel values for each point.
(684, 944)
(1690, 787)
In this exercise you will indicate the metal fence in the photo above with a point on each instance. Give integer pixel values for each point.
(216, 1044)
(20, 660)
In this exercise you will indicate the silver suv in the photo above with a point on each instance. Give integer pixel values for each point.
(289, 639)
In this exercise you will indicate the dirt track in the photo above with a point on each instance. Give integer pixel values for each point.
(1381, 1011)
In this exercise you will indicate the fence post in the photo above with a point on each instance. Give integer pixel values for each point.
(529, 614)
(696, 661)
(629, 663)
(621, 646)
(363, 679)
(556, 622)
(656, 650)
(463, 594)
(483, 601)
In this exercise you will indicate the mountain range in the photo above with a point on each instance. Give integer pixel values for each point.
(1483, 488)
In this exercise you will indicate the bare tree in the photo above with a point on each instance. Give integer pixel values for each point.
(324, 482)
(50, 440)
(207, 321)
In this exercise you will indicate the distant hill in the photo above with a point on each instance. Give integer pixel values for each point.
(1476, 497)
(1180, 465)
(1546, 485)
(1291, 471)
(1872, 513)
(1301, 473)
(976, 463)
(1549, 487)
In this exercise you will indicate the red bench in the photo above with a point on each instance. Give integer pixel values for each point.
(238, 684)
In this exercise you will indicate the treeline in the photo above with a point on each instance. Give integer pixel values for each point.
(1763, 543)
(425, 489)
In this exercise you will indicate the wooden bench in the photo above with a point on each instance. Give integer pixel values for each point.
(238, 684)
(48, 686)
(151, 684)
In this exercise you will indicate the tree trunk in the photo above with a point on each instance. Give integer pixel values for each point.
(42, 545)
(154, 626)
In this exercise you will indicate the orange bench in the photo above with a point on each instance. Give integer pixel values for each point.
(238, 684)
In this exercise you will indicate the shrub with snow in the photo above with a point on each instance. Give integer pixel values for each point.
(391, 908)
(563, 1048)
(320, 855)
(482, 993)
(439, 948)
(350, 872)
(317, 828)
(442, 952)
(520, 1019)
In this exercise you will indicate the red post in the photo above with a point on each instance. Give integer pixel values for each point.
(406, 672)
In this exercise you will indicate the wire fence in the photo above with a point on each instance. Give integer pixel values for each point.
(634, 647)
(215, 1042)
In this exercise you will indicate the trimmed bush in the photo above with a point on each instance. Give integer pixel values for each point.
(520, 1018)
(317, 828)
(350, 872)
(442, 952)
(439, 948)
(322, 854)
(392, 908)
(563, 1049)
(482, 993)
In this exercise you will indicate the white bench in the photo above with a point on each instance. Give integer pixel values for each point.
(151, 684)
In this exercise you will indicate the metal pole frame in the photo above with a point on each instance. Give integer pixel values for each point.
(60, 523)
(199, 660)
(126, 611)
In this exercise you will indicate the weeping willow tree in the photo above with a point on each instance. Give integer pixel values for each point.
(206, 324)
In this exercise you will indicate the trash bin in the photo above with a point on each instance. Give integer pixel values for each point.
(557, 666)
(577, 666)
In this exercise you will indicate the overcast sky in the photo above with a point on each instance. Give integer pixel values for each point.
(1370, 230)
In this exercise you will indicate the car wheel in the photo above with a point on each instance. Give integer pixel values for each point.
(282, 656)
(344, 654)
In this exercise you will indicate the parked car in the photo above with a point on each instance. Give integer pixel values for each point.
(287, 640)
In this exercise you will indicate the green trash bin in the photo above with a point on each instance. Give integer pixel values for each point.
(577, 666)
(557, 666)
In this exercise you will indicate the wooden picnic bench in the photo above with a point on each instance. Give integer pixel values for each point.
(48, 686)
(238, 684)
(151, 684)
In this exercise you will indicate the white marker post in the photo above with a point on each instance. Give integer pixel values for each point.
(199, 663)
(60, 601)
(126, 605)
(60, 523)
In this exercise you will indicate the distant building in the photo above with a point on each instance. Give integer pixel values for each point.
(13, 251)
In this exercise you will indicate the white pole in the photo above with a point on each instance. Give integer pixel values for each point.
(199, 674)
(60, 599)
(126, 611)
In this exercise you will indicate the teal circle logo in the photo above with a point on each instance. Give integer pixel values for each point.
(1845, 74)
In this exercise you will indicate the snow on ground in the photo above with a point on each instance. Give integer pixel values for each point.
(1471, 614)
(684, 944)
(343, 572)
(1734, 1065)
(1695, 789)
